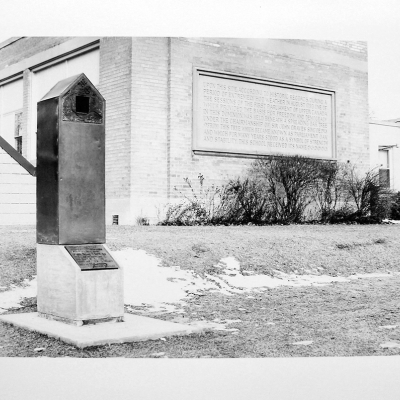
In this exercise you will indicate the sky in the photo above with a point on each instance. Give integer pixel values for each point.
(384, 78)
(374, 21)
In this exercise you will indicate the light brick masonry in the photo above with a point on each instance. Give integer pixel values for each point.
(148, 87)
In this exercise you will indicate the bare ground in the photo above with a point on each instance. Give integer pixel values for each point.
(342, 319)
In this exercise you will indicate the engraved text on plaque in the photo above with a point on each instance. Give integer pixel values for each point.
(91, 257)
(244, 115)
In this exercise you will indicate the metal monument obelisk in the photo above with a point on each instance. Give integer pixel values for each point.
(78, 280)
(79, 284)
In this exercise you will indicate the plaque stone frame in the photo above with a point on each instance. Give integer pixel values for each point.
(290, 119)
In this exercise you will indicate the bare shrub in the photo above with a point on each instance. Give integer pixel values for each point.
(240, 201)
(247, 201)
(371, 199)
(201, 207)
(330, 194)
(284, 189)
(395, 207)
(290, 183)
(144, 221)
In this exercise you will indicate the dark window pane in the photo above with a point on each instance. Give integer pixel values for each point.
(18, 144)
(82, 104)
(384, 176)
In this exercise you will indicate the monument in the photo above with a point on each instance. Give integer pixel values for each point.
(78, 280)
(80, 296)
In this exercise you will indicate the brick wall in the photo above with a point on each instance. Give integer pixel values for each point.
(115, 86)
(148, 83)
(149, 147)
(354, 49)
(305, 67)
(27, 47)
(162, 108)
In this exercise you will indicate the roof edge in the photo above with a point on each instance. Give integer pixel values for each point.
(63, 86)
(9, 41)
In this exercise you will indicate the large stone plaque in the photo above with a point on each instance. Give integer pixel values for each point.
(91, 257)
(245, 115)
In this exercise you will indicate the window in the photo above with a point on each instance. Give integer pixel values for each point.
(82, 104)
(11, 103)
(18, 132)
(384, 170)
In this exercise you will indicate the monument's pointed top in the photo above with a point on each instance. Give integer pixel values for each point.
(66, 84)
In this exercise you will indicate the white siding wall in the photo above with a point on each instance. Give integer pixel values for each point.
(17, 187)
(11, 102)
(386, 134)
(17, 193)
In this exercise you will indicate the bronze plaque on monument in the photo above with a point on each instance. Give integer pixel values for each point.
(246, 115)
(90, 257)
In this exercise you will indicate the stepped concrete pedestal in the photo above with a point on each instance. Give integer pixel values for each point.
(74, 295)
(134, 328)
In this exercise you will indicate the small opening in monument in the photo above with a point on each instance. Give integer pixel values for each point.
(82, 104)
(115, 219)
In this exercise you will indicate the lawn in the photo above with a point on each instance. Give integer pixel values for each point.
(351, 318)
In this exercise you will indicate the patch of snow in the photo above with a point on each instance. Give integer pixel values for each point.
(372, 275)
(12, 298)
(234, 279)
(304, 343)
(157, 355)
(216, 324)
(146, 282)
(390, 345)
(165, 289)
(212, 325)
(39, 349)
(388, 326)
(151, 288)
(237, 280)
(221, 286)
(232, 321)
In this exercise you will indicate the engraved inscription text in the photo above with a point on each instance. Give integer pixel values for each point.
(240, 116)
(91, 256)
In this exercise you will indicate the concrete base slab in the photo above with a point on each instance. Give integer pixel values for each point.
(69, 293)
(134, 329)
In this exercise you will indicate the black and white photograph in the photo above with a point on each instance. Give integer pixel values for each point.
(201, 213)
